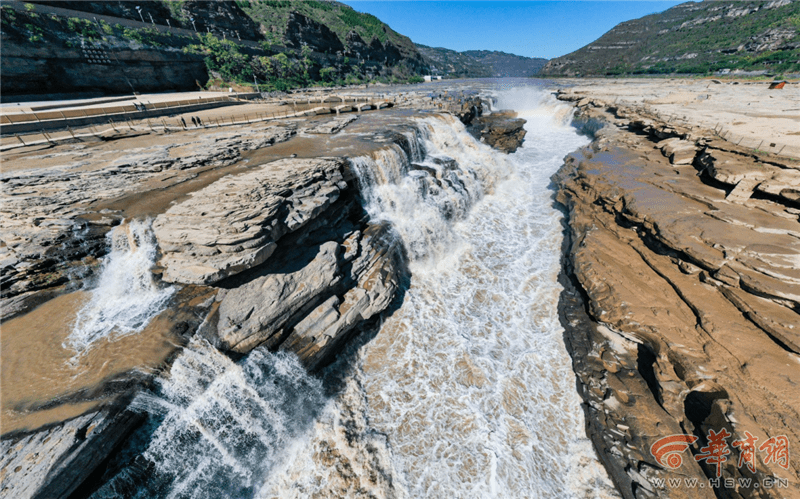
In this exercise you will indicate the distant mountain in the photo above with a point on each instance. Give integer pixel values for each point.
(694, 38)
(508, 65)
(478, 63)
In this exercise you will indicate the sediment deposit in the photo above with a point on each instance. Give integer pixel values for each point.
(682, 289)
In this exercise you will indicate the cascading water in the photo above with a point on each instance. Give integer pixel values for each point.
(126, 296)
(422, 194)
(466, 391)
(224, 426)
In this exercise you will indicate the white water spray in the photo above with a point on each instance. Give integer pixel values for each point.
(425, 193)
(466, 391)
(126, 296)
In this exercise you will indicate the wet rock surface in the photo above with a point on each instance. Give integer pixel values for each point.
(681, 299)
(331, 126)
(501, 130)
(279, 254)
(54, 462)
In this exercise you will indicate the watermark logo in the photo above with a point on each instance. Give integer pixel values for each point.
(717, 483)
(667, 451)
(777, 450)
(716, 452)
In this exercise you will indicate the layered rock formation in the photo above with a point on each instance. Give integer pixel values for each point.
(233, 224)
(681, 302)
(325, 271)
(52, 463)
(276, 253)
(501, 130)
(49, 216)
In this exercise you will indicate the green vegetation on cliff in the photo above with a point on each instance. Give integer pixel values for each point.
(696, 38)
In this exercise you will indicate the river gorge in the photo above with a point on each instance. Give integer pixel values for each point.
(406, 302)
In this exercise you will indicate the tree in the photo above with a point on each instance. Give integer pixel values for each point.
(305, 63)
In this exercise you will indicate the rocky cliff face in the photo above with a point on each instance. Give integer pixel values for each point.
(681, 302)
(302, 30)
(43, 71)
(104, 48)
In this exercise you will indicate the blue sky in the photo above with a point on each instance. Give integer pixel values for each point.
(533, 29)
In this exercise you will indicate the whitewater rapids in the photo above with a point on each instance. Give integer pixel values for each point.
(467, 389)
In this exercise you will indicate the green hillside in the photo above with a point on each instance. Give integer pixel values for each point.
(273, 15)
(696, 38)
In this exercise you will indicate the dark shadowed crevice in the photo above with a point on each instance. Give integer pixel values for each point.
(645, 362)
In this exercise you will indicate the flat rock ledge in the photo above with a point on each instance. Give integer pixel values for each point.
(681, 300)
(234, 224)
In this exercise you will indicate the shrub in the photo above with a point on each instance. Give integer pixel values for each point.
(224, 57)
(84, 28)
(36, 33)
(145, 36)
(107, 29)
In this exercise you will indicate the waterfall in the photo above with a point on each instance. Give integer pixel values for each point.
(423, 192)
(126, 296)
(221, 426)
(466, 390)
